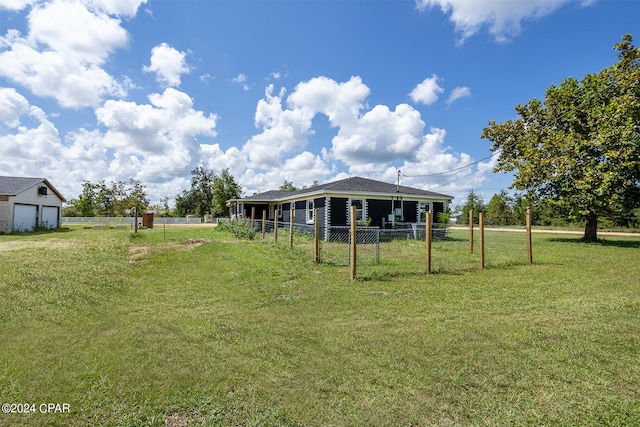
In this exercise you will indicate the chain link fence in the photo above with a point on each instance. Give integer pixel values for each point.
(334, 242)
(370, 248)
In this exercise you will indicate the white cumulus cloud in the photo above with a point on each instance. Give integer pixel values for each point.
(168, 63)
(283, 131)
(241, 79)
(127, 8)
(31, 146)
(381, 135)
(427, 92)
(502, 17)
(63, 54)
(459, 92)
(12, 106)
(162, 134)
(15, 4)
(370, 142)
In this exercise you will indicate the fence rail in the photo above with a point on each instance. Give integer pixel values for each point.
(128, 219)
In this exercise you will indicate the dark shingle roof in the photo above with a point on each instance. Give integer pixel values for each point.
(13, 185)
(353, 184)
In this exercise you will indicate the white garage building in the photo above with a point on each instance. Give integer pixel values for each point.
(28, 202)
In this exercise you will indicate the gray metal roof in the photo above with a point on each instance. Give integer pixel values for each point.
(353, 184)
(13, 185)
(269, 195)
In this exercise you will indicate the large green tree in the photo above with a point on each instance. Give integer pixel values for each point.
(86, 203)
(288, 186)
(225, 188)
(499, 210)
(115, 198)
(208, 194)
(198, 200)
(474, 202)
(580, 147)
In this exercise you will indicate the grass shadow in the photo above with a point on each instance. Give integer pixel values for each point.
(603, 242)
(38, 231)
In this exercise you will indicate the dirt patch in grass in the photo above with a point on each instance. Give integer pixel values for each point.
(188, 244)
(53, 243)
(181, 420)
(195, 242)
(138, 253)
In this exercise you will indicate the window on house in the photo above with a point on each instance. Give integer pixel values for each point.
(360, 214)
(424, 207)
(310, 212)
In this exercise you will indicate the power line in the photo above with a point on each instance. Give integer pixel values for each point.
(459, 178)
(452, 170)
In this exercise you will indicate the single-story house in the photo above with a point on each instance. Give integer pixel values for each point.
(377, 203)
(455, 217)
(28, 202)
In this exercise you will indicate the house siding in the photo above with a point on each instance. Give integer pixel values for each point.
(5, 216)
(438, 207)
(379, 209)
(30, 197)
(338, 214)
(319, 204)
(286, 211)
(410, 211)
(301, 212)
(259, 209)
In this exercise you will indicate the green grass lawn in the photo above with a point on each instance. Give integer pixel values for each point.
(190, 326)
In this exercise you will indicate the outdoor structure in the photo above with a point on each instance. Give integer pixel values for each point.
(378, 204)
(28, 202)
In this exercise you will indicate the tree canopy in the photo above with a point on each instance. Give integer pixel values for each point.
(474, 202)
(225, 187)
(198, 200)
(288, 186)
(117, 198)
(580, 147)
(208, 194)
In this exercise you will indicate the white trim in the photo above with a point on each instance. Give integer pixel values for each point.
(327, 216)
(310, 205)
(363, 210)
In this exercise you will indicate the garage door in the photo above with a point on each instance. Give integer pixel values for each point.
(50, 216)
(24, 217)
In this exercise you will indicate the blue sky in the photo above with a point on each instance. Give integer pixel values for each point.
(297, 90)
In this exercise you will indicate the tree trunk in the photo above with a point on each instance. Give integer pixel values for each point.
(591, 228)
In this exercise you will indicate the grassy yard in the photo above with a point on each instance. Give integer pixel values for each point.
(190, 326)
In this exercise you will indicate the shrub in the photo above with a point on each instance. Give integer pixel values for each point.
(241, 229)
(443, 218)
